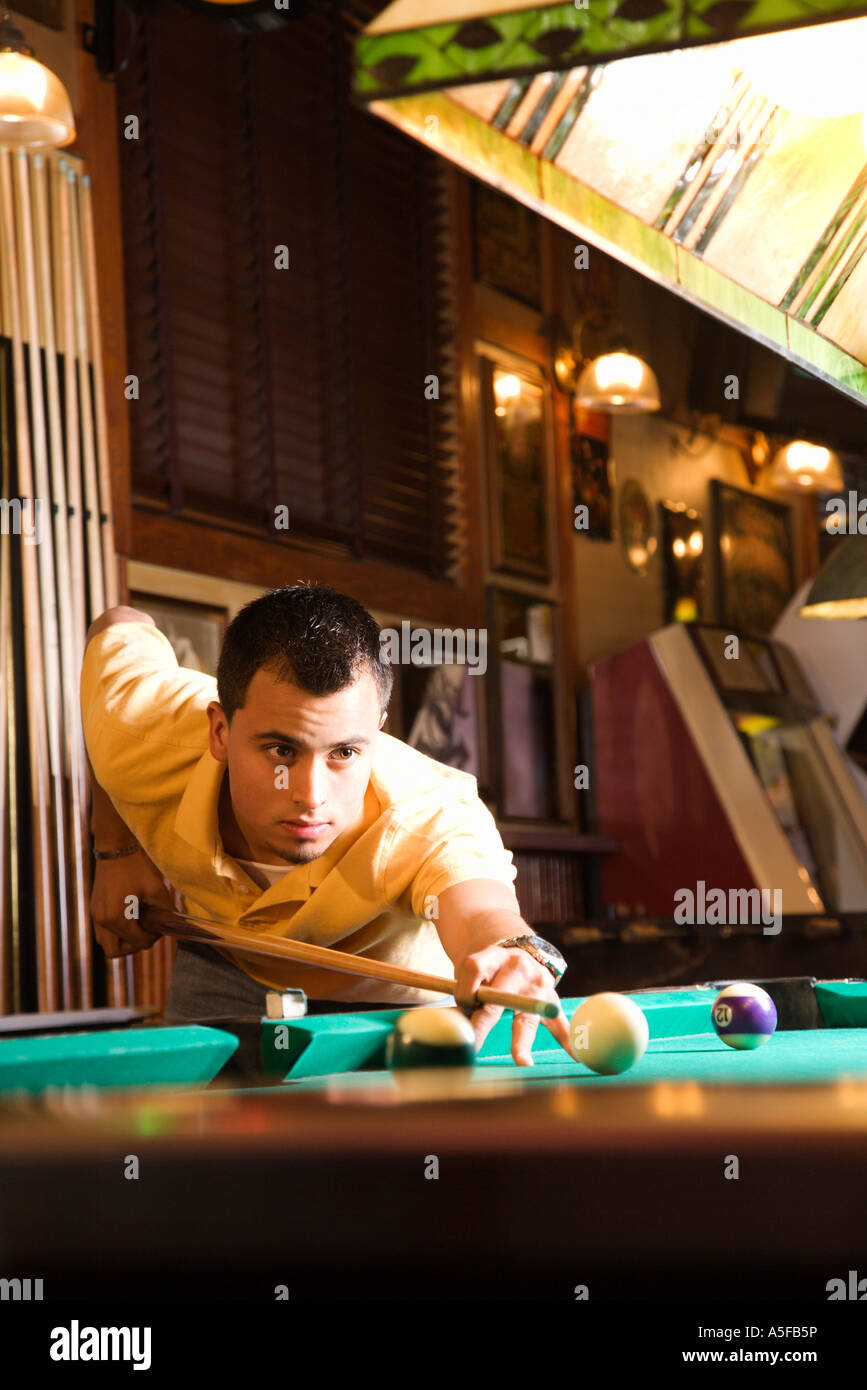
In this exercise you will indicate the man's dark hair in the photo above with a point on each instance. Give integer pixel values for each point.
(309, 634)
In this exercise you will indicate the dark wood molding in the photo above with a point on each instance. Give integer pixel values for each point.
(556, 841)
(488, 316)
(268, 564)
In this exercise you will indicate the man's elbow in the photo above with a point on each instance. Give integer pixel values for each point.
(120, 614)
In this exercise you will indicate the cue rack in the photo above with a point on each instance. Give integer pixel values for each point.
(58, 571)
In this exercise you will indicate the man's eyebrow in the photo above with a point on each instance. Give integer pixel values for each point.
(274, 736)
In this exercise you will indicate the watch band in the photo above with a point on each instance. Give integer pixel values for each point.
(541, 951)
(116, 853)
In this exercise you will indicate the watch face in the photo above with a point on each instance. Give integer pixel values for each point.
(542, 945)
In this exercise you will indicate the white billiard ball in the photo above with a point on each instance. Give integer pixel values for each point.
(608, 1033)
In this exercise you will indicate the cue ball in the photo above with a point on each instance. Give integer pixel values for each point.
(608, 1033)
(433, 1036)
(744, 1016)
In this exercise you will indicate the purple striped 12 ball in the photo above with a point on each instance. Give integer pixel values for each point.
(744, 1016)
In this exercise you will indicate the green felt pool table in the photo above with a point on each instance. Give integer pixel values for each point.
(267, 1144)
(683, 1045)
(314, 1050)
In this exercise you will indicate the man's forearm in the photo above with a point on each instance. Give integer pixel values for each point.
(488, 928)
(110, 831)
(477, 914)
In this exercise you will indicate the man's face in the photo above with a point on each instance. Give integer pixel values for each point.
(324, 744)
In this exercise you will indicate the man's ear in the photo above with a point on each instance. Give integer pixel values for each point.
(383, 717)
(218, 732)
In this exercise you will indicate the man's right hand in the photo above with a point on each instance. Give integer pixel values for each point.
(115, 881)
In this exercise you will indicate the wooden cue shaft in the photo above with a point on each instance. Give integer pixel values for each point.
(66, 334)
(91, 487)
(91, 291)
(305, 953)
(40, 791)
(7, 675)
(10, 995)
(14, 838)
(116, 975)
(115, 970)
(54, 704)
(71, 637)
(122, 972)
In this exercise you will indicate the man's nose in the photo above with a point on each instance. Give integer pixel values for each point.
(307, 784)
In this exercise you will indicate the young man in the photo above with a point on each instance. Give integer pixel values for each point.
(269, 799)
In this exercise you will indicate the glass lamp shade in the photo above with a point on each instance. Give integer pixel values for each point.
(840, 588)
(35, 110)
(806, 468)
(817, 70)
(618, 383)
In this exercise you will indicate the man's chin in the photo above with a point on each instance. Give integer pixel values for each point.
(302, 851)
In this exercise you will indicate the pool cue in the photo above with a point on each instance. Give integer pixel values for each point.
(121, 972)
(102, 453)
(200, 929)
(71, 638)
(91, 487)
(73, 452)
(39, 788)
(14, 840)
(66, 332)
(7, 675)
(115, 973)
(54, 703)
(12, 997)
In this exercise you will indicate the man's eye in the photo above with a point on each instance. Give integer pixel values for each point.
(281, 749)
(351, 752)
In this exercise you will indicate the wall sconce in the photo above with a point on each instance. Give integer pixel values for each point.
(806, 467)
(35, 110)
(617, 382)
(98, 39)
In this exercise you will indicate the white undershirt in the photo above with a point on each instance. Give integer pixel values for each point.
(266, 875)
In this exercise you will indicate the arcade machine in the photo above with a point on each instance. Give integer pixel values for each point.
(833, 657)
(722, 769)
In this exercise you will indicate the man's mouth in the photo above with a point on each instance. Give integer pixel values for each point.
(304, 829)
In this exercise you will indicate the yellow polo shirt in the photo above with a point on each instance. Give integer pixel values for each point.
(421, 829)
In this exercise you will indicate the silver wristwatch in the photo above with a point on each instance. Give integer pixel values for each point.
(542, 951)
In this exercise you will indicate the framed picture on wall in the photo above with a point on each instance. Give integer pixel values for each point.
(516, 433)
(591, 484)
(682, 563)
(195, 630)
(522, 706)
(637, 526)
(506, 245)
(755, 568)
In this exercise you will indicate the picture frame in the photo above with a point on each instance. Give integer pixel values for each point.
(523, 710)
(195, 630)
(507, 247)
(637, 526)
(754, 557)
(517, 446)
(683, 562)
(589, 450)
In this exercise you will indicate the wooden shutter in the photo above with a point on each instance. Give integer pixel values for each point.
(303, 386)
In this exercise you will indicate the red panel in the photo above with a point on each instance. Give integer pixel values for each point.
(653, 793)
